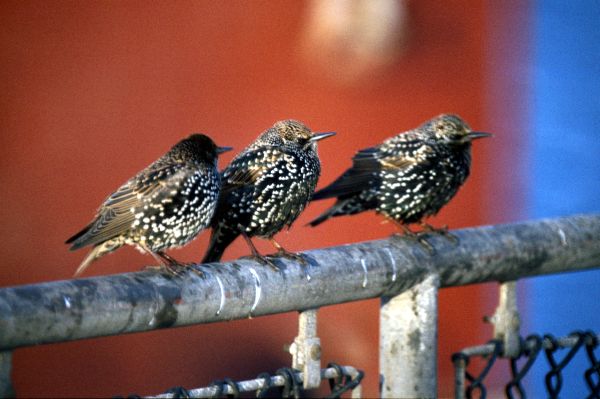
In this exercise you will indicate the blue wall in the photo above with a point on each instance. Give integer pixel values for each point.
(564, 167)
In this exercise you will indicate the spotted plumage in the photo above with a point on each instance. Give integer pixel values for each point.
(266, 187)
(164, 206)
(408, 177)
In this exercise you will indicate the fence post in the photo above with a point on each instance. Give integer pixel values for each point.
(408, 342)
(6, 389)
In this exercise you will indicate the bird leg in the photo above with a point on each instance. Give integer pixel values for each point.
(168, 263)
(170, 266)
(281, 251)
(443, 231)
(256, 255)
(411, 235)
(175, 267)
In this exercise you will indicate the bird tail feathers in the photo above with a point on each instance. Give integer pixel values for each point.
(97, 252)
(220, 238)
(348, 206)
(76, 239)
(322, 217)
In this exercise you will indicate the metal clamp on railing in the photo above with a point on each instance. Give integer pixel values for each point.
(306, 349)
(506, 320)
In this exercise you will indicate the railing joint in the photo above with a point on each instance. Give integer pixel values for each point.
(306, 349)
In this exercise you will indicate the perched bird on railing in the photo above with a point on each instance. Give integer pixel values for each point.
(164, 206)
(406, 178)
(265, 188)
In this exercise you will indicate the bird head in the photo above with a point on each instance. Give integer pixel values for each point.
(296, 134)
(452, 130)
(198, 147)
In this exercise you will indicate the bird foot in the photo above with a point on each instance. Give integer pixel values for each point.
(269, 262)
(443, 231)
(164, 269)
(174, 269)
(416, 237)
(169, 265)
(282, 253)
(264, 260)
(293, 256)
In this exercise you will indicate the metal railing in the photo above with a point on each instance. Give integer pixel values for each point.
(405, 276)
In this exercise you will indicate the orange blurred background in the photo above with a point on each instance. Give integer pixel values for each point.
(95, 91)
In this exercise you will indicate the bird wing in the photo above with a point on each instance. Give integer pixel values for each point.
(245, 169)
(237, 181)
(117, 213)
(366, 167)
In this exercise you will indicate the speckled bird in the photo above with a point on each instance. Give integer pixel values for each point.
(164, 206)
(266, 187)
(408, 177)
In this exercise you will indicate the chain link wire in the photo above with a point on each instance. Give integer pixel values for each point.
(285, 383)
(531, 347)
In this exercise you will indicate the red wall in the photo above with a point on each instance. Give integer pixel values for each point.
(94, 91)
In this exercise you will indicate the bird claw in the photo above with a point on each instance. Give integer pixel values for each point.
(417, 237)
(443, 231)
(174, 269)
(190, 266)
(264, 260)
(270, 263)
(291, 255)
(421, 240)
(449, 236)
(169, 271)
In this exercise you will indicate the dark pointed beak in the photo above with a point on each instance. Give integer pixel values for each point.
(477, 135)
(321, 136)
(221, 150)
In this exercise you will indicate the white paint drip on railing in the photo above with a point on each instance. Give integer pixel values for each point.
(563, 237)
(257, 289)
(363, 263)
(222, 300)
(394, 269)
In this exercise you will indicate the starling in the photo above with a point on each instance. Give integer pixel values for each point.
(266, 187)
(164, 206)
(408, 177)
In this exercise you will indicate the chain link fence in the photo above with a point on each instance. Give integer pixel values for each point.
(284, 383)
(470, 385)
